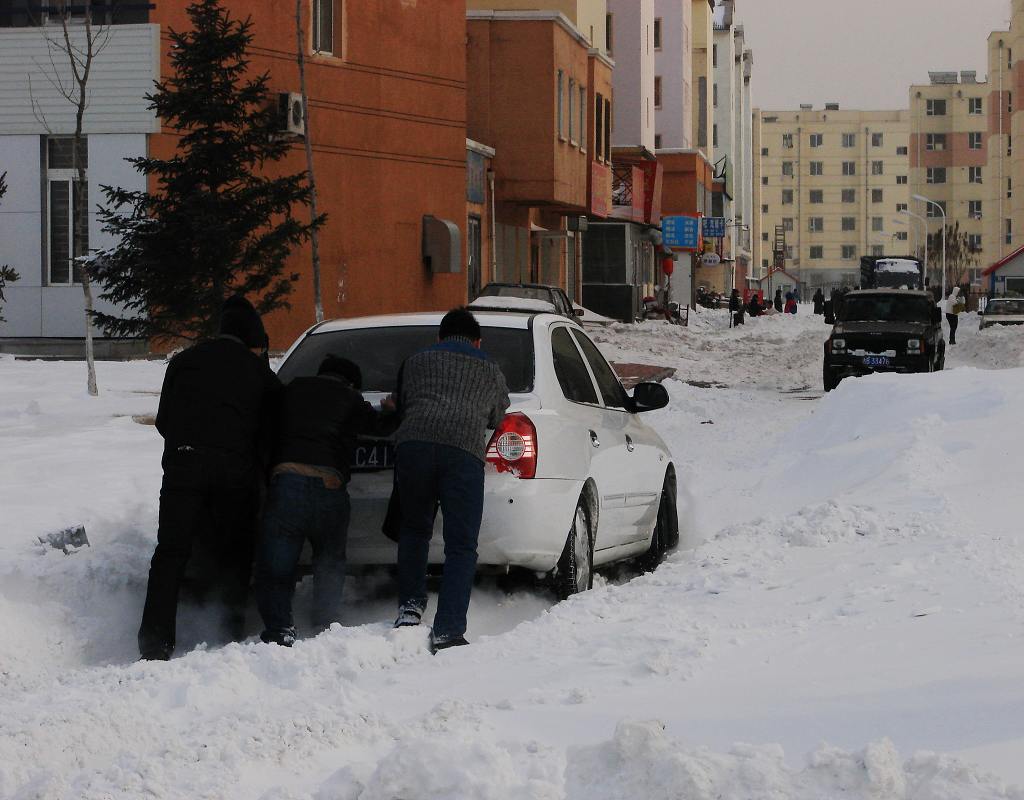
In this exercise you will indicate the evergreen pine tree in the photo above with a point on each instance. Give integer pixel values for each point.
(7, 274)
(216, 225)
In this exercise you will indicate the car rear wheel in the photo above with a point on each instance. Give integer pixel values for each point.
(575, 570)
(666, 529)
(829, 379)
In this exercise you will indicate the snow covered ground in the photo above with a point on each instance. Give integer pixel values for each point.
(847, 618)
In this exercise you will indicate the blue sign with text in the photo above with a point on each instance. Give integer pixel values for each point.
(680, 232)
(714, 227)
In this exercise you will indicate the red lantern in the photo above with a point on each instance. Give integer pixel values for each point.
(668, 265)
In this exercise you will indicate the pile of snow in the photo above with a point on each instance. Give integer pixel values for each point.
(852, 592)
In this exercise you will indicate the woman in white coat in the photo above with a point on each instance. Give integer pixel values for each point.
(954, 305)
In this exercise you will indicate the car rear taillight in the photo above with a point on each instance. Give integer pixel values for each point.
(513, 447)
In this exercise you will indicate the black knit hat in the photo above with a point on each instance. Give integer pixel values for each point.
(343, 368)
(238, 318)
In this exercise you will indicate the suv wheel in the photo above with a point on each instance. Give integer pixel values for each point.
(829, 379)
(575, 570)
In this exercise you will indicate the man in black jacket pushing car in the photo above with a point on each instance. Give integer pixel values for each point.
(320, 418)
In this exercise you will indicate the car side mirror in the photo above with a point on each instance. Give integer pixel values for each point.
(649, 397)
(936, 316)
(579, 312)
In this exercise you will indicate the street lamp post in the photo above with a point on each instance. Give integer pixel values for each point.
(923, 199)
(924, 224)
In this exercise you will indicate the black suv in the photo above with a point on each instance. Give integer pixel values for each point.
(884, 330)
(534, 291)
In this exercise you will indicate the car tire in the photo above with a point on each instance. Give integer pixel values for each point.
(666, 529)
(829, 380)
(574, 572)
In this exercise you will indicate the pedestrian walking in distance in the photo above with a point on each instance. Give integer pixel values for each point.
(819, 302)
(791, 306)
(216, 407)
(448, 396)
(778, 301)
(308, 499)
(954, 305)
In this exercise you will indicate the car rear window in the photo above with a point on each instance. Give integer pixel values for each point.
(380, 352)
(886, 308)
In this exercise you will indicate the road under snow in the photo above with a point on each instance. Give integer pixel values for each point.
(846, 617)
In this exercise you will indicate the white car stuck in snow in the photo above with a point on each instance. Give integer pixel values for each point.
(575, 478)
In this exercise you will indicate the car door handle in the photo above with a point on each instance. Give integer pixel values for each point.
(594, 440)
(629, 444)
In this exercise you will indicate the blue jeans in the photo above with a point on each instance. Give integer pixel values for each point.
(300, 508)
(429, 474)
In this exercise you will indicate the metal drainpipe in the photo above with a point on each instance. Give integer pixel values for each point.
(1001, 189)
(494, 228)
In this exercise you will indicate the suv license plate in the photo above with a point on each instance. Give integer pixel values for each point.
(877, 361)
(373, 456)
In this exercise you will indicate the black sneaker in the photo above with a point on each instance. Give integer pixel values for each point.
(409, 615)
(157, 653)
(283, 636)
(444, 641)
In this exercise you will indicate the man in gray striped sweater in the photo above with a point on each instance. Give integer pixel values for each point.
(448, 396)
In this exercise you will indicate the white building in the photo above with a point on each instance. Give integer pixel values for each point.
(633, 50)
(732, 132)
(37, 237)
(673, 70)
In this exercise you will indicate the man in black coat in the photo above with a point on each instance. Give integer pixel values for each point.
(216, 406)
(308, 499)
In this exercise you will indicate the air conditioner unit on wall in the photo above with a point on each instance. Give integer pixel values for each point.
(291, 113)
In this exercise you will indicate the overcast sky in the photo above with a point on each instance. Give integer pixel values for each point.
(862, 53)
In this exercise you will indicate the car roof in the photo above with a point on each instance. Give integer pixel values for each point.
(487, 319)
(866, 292)
(524, 285)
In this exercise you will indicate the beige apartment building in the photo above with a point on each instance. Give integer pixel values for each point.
(590, 17)
(833, 182)
(703, 77)
(955, 163)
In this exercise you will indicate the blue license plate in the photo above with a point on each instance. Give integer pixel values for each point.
(877, 361)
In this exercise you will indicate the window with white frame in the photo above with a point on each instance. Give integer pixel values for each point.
(787, 168)
(849, 140)
(1008, 230)
(974, 106)
(935, 108)
(560, 104)
(817, 196)
(901, 180)
(787, 223)
(935, 141)
(878, 224)
(817, 168)
(817, 252)
(974, 242)
(849, 252)
(877, 167)
(817, 139)
(901, 236)
(901, 207)
(974, 209)
(933, 212)
(323, 26)
(849, 195)
(582, 121)
(936, 175)
(816, 224)
(849, 223)
(787, 141)
(849, 168)
(877, 250)
(877, 139)
(974, 140)
(974, 175)
(67, 210)
(572, 111)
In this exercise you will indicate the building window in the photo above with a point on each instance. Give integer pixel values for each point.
(933, 212)
(817, 196)
(1009, 188)
(1009, 102)
(974, 175)
(787, 141)
(787, 168)
(849, 223)
(609, 38)
(935, 108)
(714, 95)
(849, 168)
(849, 195)
(1009, 231)
(974, 105)
(974, 209)
(817, 168)
(877, 250)
(877, 195)
(657, 33)
(877, 167)
(849, 140)
(787, 224)
(787, 197)
(901, 180)
(877, 139)
(764, 209)
(582, 121)
(974, 242)
(764, 236)
(560, 104)
(607, 130)
(764, 151)
(901, 207)
(936, 175)
(901, 236)
(714, 55)
(657, 141)
(817, 252)
(849, 252)
(657, 91)
(572, 111)
(974, 140)
(935, 141)
(67, 213)
(323, 26)
(599, 127)
(817, 139)
(764, 181)
(902, 151)
(878, 224)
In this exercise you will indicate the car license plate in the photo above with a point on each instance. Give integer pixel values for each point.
(371, 456)
(877, 361)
